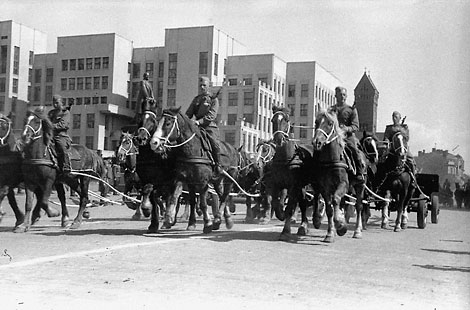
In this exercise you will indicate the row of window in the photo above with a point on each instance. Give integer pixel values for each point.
(277, 86)
(77, 118)
(95, 63)
(81, 83)
(3, 83)
(89, 140)
(149, 68)
(320, 93)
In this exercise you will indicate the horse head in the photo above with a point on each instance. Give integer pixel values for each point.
(399, 146)
(327, 130)
(126, 147)
(37, 125)
(369, 147)
(264, 152)
(147, 127)
(281, 124)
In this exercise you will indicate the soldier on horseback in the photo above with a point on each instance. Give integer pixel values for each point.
(399, 126)
(60, 118)
(348, 120)
(204, 108)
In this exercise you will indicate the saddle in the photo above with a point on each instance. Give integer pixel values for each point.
(72, 153)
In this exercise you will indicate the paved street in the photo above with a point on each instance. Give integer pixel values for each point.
(111, 263)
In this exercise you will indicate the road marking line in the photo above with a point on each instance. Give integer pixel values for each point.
(52, 258)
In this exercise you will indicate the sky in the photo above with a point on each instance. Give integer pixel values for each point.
(416, 52)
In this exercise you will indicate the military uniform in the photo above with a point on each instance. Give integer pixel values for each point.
(144, 96)
(390, 131)
(348, 120)
(204, 108)
(61, 122)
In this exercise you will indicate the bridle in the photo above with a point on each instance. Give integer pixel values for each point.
(259, 151)
(399, 150)
(284, 133)
(131, 150)
(331, 136)
(374, 152)
(2, 139)
(175, 126)
(36, 132)
(145, 130)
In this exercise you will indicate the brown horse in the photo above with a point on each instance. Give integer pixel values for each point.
(331, 174)
(177, 132)
(41, 173)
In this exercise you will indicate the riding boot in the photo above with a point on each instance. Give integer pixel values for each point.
(66, 163)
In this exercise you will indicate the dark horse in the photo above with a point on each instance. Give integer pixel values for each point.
(249, 178)
(41, 173)
(194, 167)
(393, 181)
(332, 179)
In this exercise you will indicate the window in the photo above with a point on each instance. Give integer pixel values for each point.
(79, 101)
(248, 98)
(303, 131)
(49, 93)
(203, 62)
(248, 117)
(105, 62)
(80, 83)
(96, 100)
(31, 58)
(232, 99)
(225, 65)
(90, 120)
(29, 93)
(37, 93)
(76, 121)
(3, 83)
(104, 100)
(30, 75)
(216, 63)
(63, 84)
(247, 81)
(81, 64)
(149, 69)
(160, 69)
(171, 102)
(160, 89)
(73, 65)
(37, 75)
(96, 82)
(135, 70)
(3, 58)
(135, 89)
(49, 75)
(172, 64)
(304, 90)
(303, 109)
(13, 104)
(292, 109)
(230, 137)
(232, 82)
(76, 140)
(104, 82)
(88, 83)
(97, 63)
(231, 119)
(65, 64)
(16, 60)
(71, 83)
(291, 90)
(2, 103)
(89, 142)
(87, 100)
(89, 63)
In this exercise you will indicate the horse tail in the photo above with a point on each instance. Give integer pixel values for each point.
(98, 165)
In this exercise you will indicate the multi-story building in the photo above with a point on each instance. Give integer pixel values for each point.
(366, 97)
(310, 87)
(446, 165)
(18, 45)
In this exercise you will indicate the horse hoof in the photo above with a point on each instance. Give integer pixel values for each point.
(136, 217)
(35, 219)
(329, 239)
(191, 227)
(146, 212)
(228, 223)
(21, 229)
(207, 229)
(166, 225)
(317, 223)
(249, 220)
(385, 226)
(397, 229)
(357, 235)
(75, 225)
(216, 224)
(184, 217)
(404, 225)
(302, 231)
(152, 229)
(286, 237)
(86, 214)
(52, 212)
(341, 231)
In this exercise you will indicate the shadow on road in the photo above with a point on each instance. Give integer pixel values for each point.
(444, 268)
(448, 251)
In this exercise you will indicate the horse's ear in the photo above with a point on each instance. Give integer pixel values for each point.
(240, 148)
(275, 109)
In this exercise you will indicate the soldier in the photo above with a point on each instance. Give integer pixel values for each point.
(145, 95)
(399, 126)
(204, 108)
(60, 118)
(348, 120)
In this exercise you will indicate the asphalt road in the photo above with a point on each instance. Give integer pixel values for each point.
(110, 263)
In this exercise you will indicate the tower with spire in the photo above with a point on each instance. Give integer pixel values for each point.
(366, 97)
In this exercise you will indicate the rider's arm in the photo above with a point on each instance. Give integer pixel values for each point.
(191, 109)
(62, 123)
(211, 115)
(354, 120)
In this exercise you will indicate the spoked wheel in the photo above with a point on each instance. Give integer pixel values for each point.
(435, 209)
(421, 213)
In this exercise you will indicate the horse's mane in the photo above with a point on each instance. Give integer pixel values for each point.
(281, 109)
(331, 116)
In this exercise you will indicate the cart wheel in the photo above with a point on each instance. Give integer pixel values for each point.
(421, 214)
(435, 209)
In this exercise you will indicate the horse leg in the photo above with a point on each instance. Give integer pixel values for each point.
(279, 205)
(84, 183)
(331, 231)
(303, 205)
(398, 222)
(208, 225)
(26, 225)
(170, 211)
(359, 188)
(286, 234)
(267, 205)
(340, 225)
(385, 218)
(249, 217)
(217, 206)
(154, 219)
(65, 221)
(14, 206)
(227, 214)
(192, 199)
(318, 210)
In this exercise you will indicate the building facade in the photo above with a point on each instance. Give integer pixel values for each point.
(446, 165)
(18, 46)
(366, 97)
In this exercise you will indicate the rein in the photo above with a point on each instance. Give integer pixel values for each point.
(127, 152)
(328, 135)
(145, 129)
(2, 139)
(166, 140)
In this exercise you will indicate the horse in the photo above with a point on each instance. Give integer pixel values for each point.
(332, 178)
(195, 167)
(393, 181)
(40, 171)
